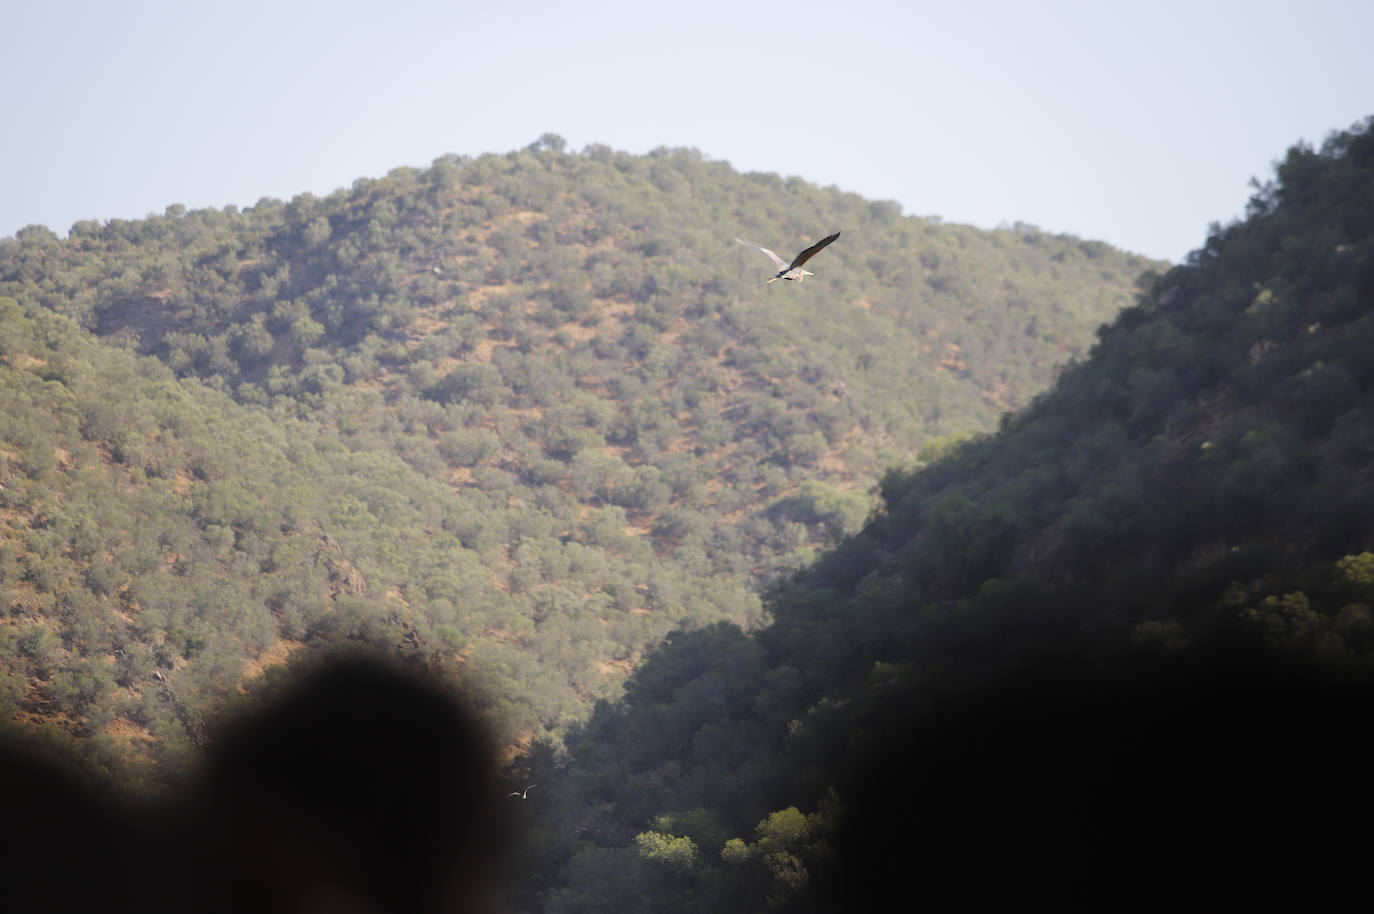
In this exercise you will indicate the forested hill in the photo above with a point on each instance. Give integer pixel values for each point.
(517, 416)
(1195, 499)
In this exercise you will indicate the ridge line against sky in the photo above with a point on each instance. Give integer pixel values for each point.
(1137, 124)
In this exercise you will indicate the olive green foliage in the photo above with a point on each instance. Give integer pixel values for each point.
(518, 416)
(1202, 482)
(699, 870)
(582, 329)
(160, 545)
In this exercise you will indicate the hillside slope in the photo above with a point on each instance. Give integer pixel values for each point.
(161, 545)
(586, 324)
(1200, 489)
(518, 416)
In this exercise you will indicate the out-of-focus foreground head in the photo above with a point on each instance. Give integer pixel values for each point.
(363, 787)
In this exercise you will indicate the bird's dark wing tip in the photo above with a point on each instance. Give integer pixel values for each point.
(810, 252)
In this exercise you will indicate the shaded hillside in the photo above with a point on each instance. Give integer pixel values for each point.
(519, 416)
(1199, 489)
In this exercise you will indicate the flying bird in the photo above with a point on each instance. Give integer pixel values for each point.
(524, 795)
(794, 269)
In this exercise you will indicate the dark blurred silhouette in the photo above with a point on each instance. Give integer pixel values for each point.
(363, 788)
(1217, 784)
(64, 845)
(1208, 785)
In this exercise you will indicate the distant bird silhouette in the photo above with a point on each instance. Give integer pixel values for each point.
(524, 795)
(794, 269)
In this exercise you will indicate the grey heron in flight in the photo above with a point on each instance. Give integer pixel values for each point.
(794, 269)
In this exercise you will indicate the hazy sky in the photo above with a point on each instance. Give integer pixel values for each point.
(1133, 123)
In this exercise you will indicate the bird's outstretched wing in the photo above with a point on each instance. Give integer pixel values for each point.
(774, 257)
(810, 252)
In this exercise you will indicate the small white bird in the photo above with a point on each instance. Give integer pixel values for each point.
(522, 794)
(793, 270)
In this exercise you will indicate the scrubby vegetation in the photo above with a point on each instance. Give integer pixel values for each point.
(533, 422)
(515, 417)
(1191, 505)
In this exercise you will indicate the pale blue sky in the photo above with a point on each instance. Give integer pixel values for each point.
(1132, 123)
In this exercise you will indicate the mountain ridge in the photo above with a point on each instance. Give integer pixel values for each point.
(553, 413)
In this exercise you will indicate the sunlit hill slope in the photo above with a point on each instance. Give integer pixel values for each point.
(516, 416)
